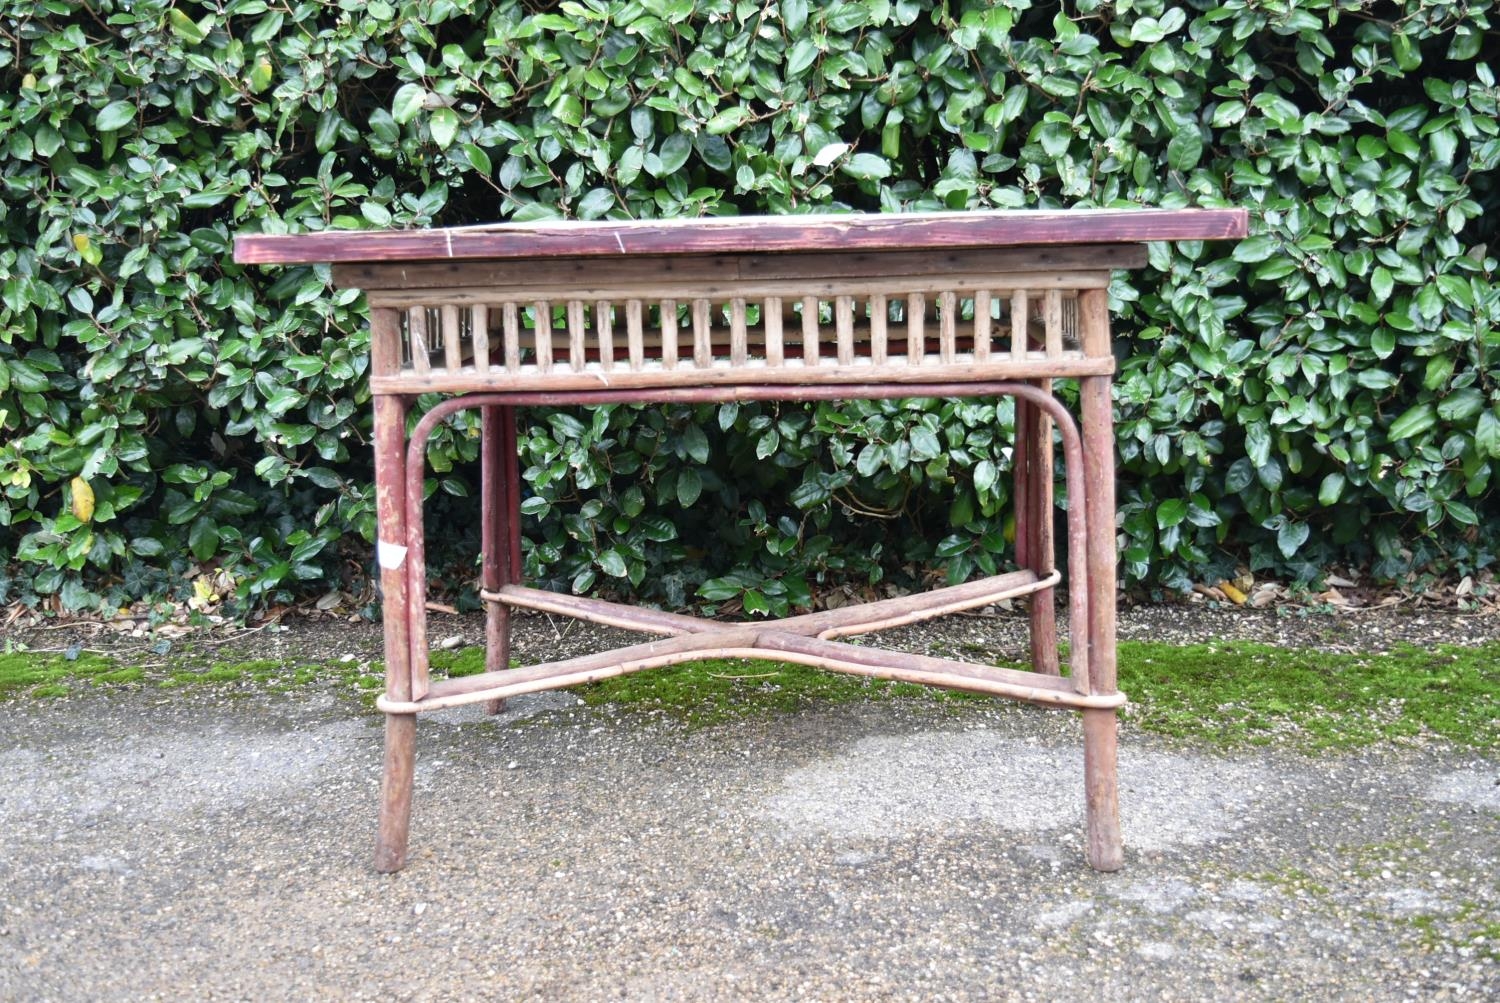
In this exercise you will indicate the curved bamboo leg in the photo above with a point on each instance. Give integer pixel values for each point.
(400, 729)
(1105, 848)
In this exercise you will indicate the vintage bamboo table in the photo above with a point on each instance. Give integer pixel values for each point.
(751, 308)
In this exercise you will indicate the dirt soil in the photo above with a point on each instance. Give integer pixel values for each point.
(204, 844)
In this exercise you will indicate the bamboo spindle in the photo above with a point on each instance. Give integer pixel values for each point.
(810, 330)
(577, 322)
(703, 348)
(416, 338)
(770, 319)
(453, 346)
(843, 319)
(479, 334)
(669, 334)
(947, 327)
(510, 336)
(541, 315)
(982, 325)
(634, 337)
(1020, 320)
(738, 335)
(605, 325)
(1053, 320)
(916, 334)
(879, 315)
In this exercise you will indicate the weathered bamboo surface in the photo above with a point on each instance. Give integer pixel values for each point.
(557, 276)
(967, 281)
(749, 234)
(610, 614)
(845, 621)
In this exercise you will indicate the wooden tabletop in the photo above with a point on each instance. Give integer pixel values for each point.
(746, 234)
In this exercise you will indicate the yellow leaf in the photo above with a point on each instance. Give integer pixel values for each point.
(83, 499)
(260, 76)
(80, 242)
(1233, 594)
(28, 82)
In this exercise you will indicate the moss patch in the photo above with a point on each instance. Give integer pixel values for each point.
(49, 675)
(1239, 693)
(1229, 694)
(34, 674)
(703, 693)
(452, 664)
(1469, 927)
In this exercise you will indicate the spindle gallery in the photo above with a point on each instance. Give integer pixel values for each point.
(799, 308)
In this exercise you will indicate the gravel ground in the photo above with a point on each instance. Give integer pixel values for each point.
(195, 845)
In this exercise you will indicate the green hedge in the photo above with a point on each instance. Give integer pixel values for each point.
(1323, 392)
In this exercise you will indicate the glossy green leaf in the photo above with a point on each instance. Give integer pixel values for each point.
(444, 125)
(115, 116)
(1414, 421)
(408, 101)
(866, 167)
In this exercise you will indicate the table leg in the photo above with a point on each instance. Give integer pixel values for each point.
(1042, 555)
(500, 523)
(1020, 492)
(1100, 727)
(400, 729)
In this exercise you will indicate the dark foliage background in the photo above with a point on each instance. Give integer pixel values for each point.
(1323, 392)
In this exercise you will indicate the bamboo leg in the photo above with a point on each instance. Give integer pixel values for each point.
(495, 547)
(510, 454)
(1105, 849)
(1021, 474)
(1042, 556)
(400, 729)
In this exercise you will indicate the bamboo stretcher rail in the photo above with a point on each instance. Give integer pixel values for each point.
(845, 621)
(883, 614)
(755, 643)
(609, 614)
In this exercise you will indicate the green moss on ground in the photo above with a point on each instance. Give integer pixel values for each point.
(1470, 927)
(1230, 694)
(704, 693)
(36, 674)
(1238, 693)
(23, 672)
(468, 662)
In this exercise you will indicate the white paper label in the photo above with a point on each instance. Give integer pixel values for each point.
(390, 555)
